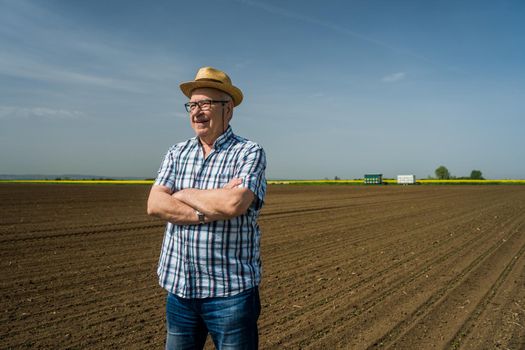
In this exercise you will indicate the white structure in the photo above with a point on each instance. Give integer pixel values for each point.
(406, 179)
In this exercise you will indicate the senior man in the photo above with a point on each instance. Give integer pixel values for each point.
(210, 189)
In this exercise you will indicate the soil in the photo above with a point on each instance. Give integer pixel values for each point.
(345, 267)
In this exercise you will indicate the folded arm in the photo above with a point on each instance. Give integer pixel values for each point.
(163, 205)
(216, 204)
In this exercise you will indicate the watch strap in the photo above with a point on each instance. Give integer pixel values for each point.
(200, 217)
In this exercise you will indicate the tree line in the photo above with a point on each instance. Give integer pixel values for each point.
(442, 173)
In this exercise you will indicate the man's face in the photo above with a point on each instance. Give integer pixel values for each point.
(210, 124)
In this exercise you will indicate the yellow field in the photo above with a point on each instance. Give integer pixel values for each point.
(393, 181)
(287, 182)
(473, 182)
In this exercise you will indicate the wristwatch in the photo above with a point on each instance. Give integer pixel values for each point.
(200, 216)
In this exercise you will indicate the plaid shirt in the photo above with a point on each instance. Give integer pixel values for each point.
(220, 258)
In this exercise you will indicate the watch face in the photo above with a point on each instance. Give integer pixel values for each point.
(201, 217)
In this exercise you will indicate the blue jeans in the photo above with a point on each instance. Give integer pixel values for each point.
(231, 321)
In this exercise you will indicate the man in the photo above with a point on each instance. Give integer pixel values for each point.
(210, 189)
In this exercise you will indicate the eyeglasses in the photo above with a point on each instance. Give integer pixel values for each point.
(204, 105)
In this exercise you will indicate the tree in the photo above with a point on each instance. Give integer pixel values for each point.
(442, 173)
(476, 175)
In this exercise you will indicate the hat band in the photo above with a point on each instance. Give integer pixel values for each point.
(212, 80)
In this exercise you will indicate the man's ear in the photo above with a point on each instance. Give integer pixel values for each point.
(229, 110)
(229, 117)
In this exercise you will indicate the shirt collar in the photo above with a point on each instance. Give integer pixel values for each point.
(224, 138)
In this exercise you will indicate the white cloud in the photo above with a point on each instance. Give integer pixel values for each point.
(300, 17)
(20, 67)
(391, 78)
(336, 28)
(13, 112)
(40, 45)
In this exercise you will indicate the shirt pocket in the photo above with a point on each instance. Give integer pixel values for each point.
(223, 179)
(215, 181)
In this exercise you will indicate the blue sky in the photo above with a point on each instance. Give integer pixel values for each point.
(332, 88)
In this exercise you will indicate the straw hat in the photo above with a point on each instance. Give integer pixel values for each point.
(208, 77)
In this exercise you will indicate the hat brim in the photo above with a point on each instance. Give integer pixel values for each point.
(231, 90)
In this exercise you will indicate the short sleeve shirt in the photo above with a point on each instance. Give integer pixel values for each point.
(220, 258)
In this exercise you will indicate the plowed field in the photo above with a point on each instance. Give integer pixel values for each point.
(348, 267)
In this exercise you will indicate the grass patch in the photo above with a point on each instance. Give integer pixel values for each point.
(281, 182)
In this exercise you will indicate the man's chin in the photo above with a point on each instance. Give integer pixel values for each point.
(205, 135)
(200, 129)
(201, 132)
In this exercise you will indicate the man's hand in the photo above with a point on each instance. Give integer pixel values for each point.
(233, 183)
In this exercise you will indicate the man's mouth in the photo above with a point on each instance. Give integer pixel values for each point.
(200, 120)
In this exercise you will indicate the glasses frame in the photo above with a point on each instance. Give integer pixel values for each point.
(190, 106)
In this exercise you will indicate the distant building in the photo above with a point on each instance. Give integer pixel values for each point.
(406, 179)
(373, 179)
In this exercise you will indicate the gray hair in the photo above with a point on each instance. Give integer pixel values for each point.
(225, 96)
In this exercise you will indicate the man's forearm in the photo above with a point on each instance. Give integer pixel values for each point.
(166, 207)
(216, 204)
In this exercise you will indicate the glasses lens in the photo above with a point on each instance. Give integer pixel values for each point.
(204, 105)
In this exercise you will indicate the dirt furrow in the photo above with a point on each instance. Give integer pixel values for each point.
(370, 284)
(451, 306)
(465, 331)
(394, 261)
